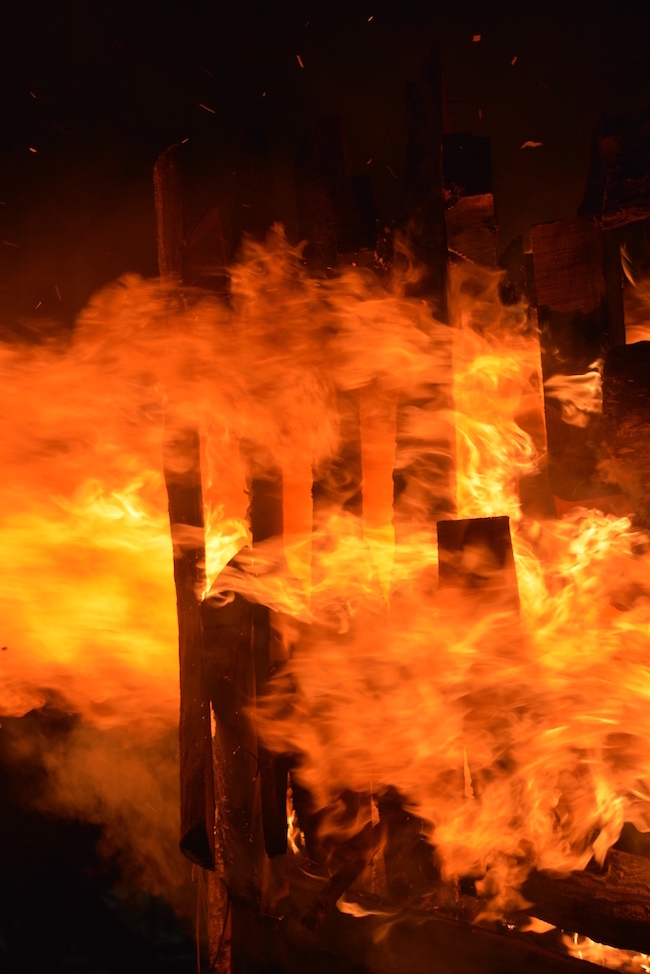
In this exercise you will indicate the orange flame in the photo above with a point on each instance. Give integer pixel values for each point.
(518, 739)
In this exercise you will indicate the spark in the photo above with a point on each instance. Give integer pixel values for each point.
(391, 171)
(299, 59)
(58, 293)
(207, 108)
(476, 38)
(514, 60)
(371, 17)
(32, 149)
(531, 145)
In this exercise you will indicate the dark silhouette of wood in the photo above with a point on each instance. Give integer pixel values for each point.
(572, 305)
(320, 173)
(182, 469)
(423, 210)
(475, 556)
(610, 904)
(626, 422)
(470, 219)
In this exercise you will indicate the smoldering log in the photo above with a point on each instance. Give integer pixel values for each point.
(475, 556)
(182, 469)
(320, 172)
(609, 904)
(572, 305)
(626, 421)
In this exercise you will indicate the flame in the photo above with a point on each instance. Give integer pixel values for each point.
(517, 738)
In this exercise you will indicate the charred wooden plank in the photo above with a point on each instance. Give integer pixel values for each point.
(229, 673)
(360, 850)
(183, 481)
(576, 332)
(424, 484)
(168, 198)
(320, 171)
(253, 205)
(182, 469)
(423, 212)
(611, 904)
(626, 420)
(266, 520)
(206, 255)
(470, 219)
(475, 556)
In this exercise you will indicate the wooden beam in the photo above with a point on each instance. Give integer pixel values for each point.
(320, 172)
(423, 209)
(626, 421)
(182, 469)
(611, 904)
(475, 557)
(470, 219)
(572, 306)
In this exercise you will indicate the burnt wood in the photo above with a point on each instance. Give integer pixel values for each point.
(576, 331)
(266, 522)
(610, 904)
(253, 205)
(424, 488)
(319, 174)
(182, 470)
(423, 210)
(168, 198)
(626, 421)
(475, 556)
(229, 673)
(470, 219)
(183, 482)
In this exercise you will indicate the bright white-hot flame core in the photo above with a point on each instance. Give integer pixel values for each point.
(518, 738)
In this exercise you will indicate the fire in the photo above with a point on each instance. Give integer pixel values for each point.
(517, 737)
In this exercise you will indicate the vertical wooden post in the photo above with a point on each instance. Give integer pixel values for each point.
(568, 262)
(424, 486)
(182, 470)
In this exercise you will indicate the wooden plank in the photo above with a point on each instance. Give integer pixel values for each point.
(266, 520)
(182, 470)
(470, 218)
(626, 421)
(168, 198)
(611, 904)
(229, 673)
(425, 481)
(423, 210)
(253, 203)
(572, 306)
(475, 557)
(320, 172)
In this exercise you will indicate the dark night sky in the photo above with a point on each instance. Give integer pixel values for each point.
(98, 90)
(91, 93)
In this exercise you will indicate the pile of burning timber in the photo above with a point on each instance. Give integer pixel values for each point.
(233, 789)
